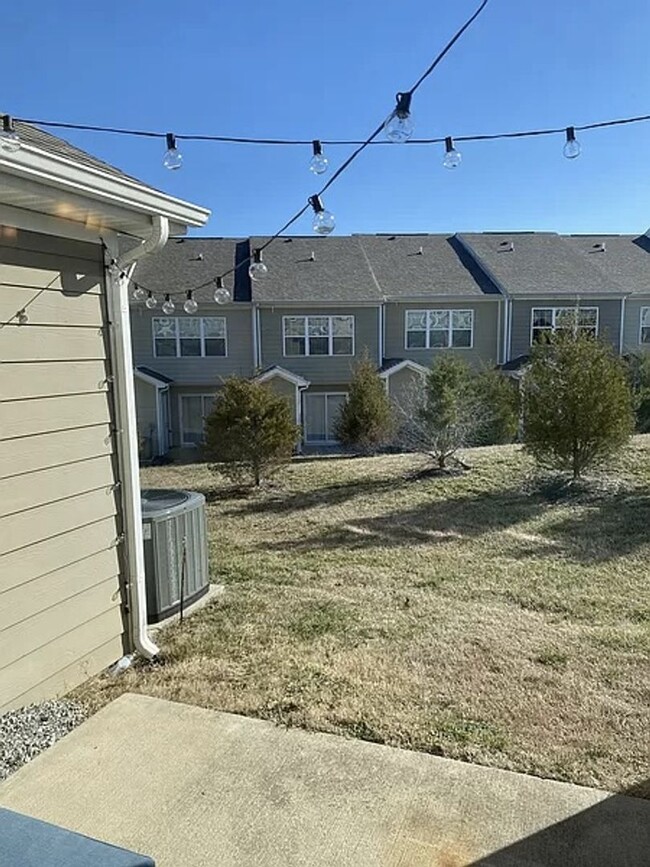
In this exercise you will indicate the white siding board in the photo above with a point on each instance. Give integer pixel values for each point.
(21, 456)
(49, 307)
(51, 379)
(29, 417)
(50, 343)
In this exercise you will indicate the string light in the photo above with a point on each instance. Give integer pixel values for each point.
(9, 140)
(139, 293)
(399, 125)
(258, 269)
(173, 158)
(318, 163)
(221, 294)
(572, 146)
(190, 305)
(151, 302)
(323, 221)
(168, 305)
(452, 157)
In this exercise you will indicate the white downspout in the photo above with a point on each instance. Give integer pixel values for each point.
(621, 336)
(124, 390)
(256, 361)
(380, 336)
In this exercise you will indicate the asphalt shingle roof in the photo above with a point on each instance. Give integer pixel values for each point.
(625, 258)
(417, 266)
(540, 264)
(185, 262)
(336, 273)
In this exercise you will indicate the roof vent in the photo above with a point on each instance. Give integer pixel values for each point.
(312, 256)
(600, 247)
(506, 247)
(420, 251)
(198, 257)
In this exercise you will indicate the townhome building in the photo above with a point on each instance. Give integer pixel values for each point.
(399, 300)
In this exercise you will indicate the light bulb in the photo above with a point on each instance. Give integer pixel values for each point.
(168, 306)
(9, 140)
(257, 269)
(190, 305)
(452, 158)
(318, 163)
(152, 302)
(221, 294)
(572, 147)
(173, 158)
(323, 222)
(139, 294)
(399, 126)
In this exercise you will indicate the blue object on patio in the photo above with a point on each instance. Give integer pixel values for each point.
(27, 842)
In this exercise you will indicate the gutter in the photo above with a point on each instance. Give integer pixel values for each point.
(127, 435)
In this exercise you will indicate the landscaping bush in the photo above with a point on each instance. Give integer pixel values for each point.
(365, 421)
(639, 376)
(499, 397)
(577, 403)
(250, 431)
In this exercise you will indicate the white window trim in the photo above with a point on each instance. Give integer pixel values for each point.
(181, 429)
(555, 310)
(202, 336)
(450, 330)
(305, 317)
(641, 311)
(325, 394)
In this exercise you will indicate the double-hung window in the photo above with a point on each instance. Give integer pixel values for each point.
(189, 336)
(439, 329)
(644, 333)
(318, 335)
(551, 320)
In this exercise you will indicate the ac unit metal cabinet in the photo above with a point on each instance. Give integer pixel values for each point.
(174, 529)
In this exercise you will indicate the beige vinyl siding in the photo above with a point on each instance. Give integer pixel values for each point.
(633, 325)
(319, 369)
(60, 588)
(284, 389)
(609, 320)
(197, 371)
(403, 387)
(483, 351)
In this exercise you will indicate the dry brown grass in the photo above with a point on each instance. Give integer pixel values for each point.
(486, 616)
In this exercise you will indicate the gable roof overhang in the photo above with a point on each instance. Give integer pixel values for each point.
(276, 370)
(39, 180)
(404, 364)
(158, 380)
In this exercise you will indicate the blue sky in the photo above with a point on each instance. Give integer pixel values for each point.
(294, 68)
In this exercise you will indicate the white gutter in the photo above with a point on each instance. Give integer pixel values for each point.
(127, 435)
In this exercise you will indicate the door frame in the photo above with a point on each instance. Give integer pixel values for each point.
(325, 394)
(181, 431)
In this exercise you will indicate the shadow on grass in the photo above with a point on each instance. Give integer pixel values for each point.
(601, 529)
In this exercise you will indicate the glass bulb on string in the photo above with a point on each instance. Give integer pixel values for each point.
(173, 158)
(9, 140)
(152, 302)
(257, 269)
(221, 294)
(323, 221)
(168, 306)
(399, 125)
(318, 163)
(572, 146)
(452, 158)
(139, 294)
(190, 306)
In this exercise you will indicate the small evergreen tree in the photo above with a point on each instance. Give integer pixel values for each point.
(500, 400)
(577, 403)
(444, 414)
(639, 375)
(250, 431)
(365, 420)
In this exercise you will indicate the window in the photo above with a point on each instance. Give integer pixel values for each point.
(551, 320)
(644, 334)
(318, 335)
(189, 336)
(194, 409)
(439, 329)
(321, 412)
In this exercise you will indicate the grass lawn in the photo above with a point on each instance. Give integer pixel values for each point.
(485, 617)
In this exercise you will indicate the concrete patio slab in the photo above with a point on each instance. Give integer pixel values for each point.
(197, 788)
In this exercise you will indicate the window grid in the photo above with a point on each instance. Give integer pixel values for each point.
(439, 329)
(210, 334)
(309, 333)
(644, 325)
(549, 320)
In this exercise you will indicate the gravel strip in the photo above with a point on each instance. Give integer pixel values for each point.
(28, 731)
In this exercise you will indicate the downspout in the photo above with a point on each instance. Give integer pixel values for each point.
(127, 436)
(621, 336)
(256, 361)
(380, 336)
